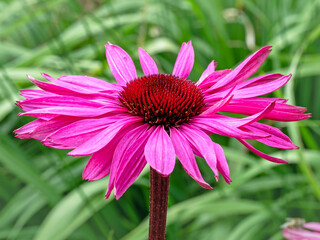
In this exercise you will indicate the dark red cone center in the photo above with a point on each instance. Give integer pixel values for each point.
(162, 99)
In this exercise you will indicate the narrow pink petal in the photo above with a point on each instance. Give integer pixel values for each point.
(261, 85)
(35, 93)
(75, 134)
(90, 84)
(100, 140)
(26, 130)
(52, 125)
(130, 174)
(214, 77)
(52, 88)
(261, 154)
(73, 111)
(217, 106)
(149, 67)
(159, 152)
(214, 126)
(125, 150)
(57, 101)
(256, 117)
(209, 70)
(120, 63)
(131, 166)
(222, 164)
(300, 234)
(80, 86)
(281, 111)
(315, 226)
(245, 69)
(277, 138)
(99, 164)
(186, 157)
(203, 143)
(184, 61)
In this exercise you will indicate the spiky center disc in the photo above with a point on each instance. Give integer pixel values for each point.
(162, 99)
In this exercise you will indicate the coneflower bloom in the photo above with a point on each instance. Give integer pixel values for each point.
(308, 231)
(157, 117)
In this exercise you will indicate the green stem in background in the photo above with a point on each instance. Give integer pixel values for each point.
(293, 127)
(159, 188)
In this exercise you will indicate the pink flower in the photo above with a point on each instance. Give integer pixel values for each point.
(154, 118)
(303, 232)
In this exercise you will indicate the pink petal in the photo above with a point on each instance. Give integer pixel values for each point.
(83, 86)
(222, 164)
(203, 143)
(149, 67)
(261, 85)
(214, 126)
(75, 134)
(131, 172)
(52, 88)
(89, 84)
(120, 63)
(56, 101)
(209, 70)
(261, 154)
(277, 138)
(300, 234)
(159, 152)
(99, 164)
(186, 157)
(125, 151)
(256, 117)
(72, 111)
(212, 110)
(35, 93)
(100, 140)
(214, 77)
(315, 226)
(245, 69)
(184, 61)
(281, 111)
(26, 130)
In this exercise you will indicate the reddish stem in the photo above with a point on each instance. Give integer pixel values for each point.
(159, 187)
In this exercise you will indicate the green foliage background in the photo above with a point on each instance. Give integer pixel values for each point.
(42, 195)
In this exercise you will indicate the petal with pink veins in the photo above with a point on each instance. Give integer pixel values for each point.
(159, 151)
(214, 126)
(35, 93)
(222, 164)
(26, 130)
(281, 112)
(186, 157)
(184, 61)
(100, 140)
(125, 150)
(210, 80)
(75, 134)
(121, 64)
(277, 139)
(203, 143)
(244, 70)
(149, 67)
(261, 154)
(209, 70)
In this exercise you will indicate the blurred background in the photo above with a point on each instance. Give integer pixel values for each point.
(42, 194)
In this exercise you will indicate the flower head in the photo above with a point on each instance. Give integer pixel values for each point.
(156, 117)
(304, 231)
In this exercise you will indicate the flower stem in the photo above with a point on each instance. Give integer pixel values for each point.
(159, 188)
